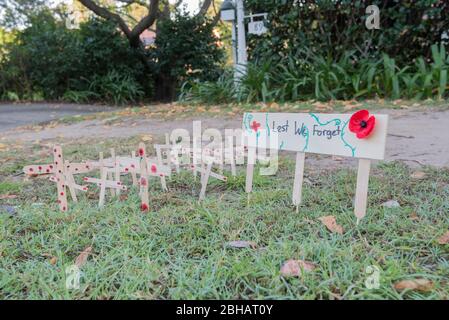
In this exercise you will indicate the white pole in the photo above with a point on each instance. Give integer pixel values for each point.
(241, 39)
(234, 50)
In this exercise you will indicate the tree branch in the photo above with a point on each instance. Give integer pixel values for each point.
(204, 7)
(132, 35)
(106, 14)
(148, 20)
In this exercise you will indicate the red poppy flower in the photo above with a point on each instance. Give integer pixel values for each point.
(153, 168)
(144, 207)
(362, 124)
(143, 181)
(255, 126)
(141, 152)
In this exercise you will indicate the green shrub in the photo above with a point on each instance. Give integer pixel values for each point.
(319, 77)
(211, 92)
(117, 87)
(185, 50)
(49, 61)
(407, 31)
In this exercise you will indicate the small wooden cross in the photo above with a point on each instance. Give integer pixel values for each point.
(103, 182)
(62, 173)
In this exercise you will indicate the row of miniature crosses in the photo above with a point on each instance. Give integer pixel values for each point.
(169, 158)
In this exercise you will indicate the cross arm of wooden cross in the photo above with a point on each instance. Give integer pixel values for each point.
(108, 183)
(76, 186)
(39, 169)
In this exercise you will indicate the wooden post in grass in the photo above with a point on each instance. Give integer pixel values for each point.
(250, 171)
(160, 163)
(205, 179)
(299, 177)
(102, 182)
(144, 205)
(69, 180)
(60, 178)
(133, 172)
(361, 193)
(230, 154)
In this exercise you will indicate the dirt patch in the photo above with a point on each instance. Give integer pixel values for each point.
(415, 137)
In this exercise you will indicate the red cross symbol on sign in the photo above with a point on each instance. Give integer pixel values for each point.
(255, 126)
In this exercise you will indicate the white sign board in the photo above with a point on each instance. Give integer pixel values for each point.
(315, 133)
(257, 27)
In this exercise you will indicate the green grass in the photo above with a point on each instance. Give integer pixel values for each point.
(9, 187)
(178, 249)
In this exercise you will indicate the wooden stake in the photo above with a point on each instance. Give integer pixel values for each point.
(250, 170)
(103, 178)
(133, 173)
(70, 181)
(299, 177)
(231, 154)
(160, 164)
(144, 206)
(205, 180)
(361, 193)
(60, 180)
(212, 174)
(116, 173)
(110, 175)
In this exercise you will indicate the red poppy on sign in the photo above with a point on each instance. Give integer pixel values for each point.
(255, 126)
(362, 124)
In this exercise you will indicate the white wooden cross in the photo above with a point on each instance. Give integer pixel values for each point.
(61, 172)
(103, 181)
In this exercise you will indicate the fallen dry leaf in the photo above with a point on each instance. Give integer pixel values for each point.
(147, 137)
(7, 196)
(444, 239)
(123, 197)
(351, 105)
(331, 224)
(413, 216)
(242, 244)
(82, 258)
(421, 284)
(294, 268)
(274, 106)
(418, 175)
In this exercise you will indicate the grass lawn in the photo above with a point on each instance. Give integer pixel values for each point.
(180, 248)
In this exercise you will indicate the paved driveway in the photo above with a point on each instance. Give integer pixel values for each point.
(15, 115)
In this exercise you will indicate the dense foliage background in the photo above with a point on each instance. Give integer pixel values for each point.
(408, 28)
(46, 60)
(321, 49)
(314, 49)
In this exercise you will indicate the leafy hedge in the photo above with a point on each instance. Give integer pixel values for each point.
(49, 61)
(319, 77)
(96, 63)
(321, 49)
(408, 28)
